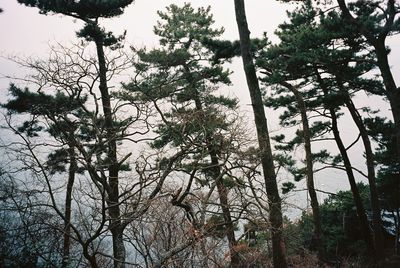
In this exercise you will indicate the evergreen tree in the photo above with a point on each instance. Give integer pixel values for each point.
(55, 109)
(274, 200)
(90, 11)
(381, 130)
(375, 21)
(181, 82)
(308, 53)
(276, 74)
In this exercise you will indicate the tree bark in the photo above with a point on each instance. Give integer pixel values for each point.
(375, 206)
(274, 200)
(392, 92)
(222, 190)
(378, 42)
(116, 227)
(362, 216)
(92, 259)
(68, 201)
(310, 172)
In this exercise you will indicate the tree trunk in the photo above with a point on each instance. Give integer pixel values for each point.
(229, 226)
(362, 217)
(68, 201)
(396, 246)
(116, 226)
(317, 239)
(375, 206)
(392, 92)
(204, 257)
(222, 191)
(274, 200)
(92, 259)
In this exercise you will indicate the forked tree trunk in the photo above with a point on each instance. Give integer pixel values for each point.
(274, 200)
(91, 258)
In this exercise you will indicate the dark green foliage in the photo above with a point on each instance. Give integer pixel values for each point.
(287, 187)
(59, 109)
(56, 107)
(91, 9)
(57, 161)
(342, 236)
(31, 128)
(185, 24)
(91, 32)
(370, 16)
(180, 73)
(26, 101)
(226, 50)
(382, 130)
(222, 49)
(388, 178)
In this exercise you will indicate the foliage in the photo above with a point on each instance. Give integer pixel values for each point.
(388, 178)
(180, 82)
(197, 176)
(342, 236)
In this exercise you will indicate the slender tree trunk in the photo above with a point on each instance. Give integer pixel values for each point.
(375, 206)
(392, 92)
(222, 192)
(396, 242)
(68, 201)
(274, 200)
(310, 172)
(378, 42)
(116, 226)
(92, 259)
(204, 257)
(362, 217)
(230, 228)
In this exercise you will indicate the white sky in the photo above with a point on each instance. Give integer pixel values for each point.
(24, 32)
(27, 33)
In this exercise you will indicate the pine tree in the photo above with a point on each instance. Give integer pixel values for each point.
(276, 74)
(307, 52)
(56, 110)
(181, 75)
(274, 200)
(90, 11)
(375, 21)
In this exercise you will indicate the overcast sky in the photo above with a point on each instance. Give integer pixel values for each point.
(24, 32)
(23, 29)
